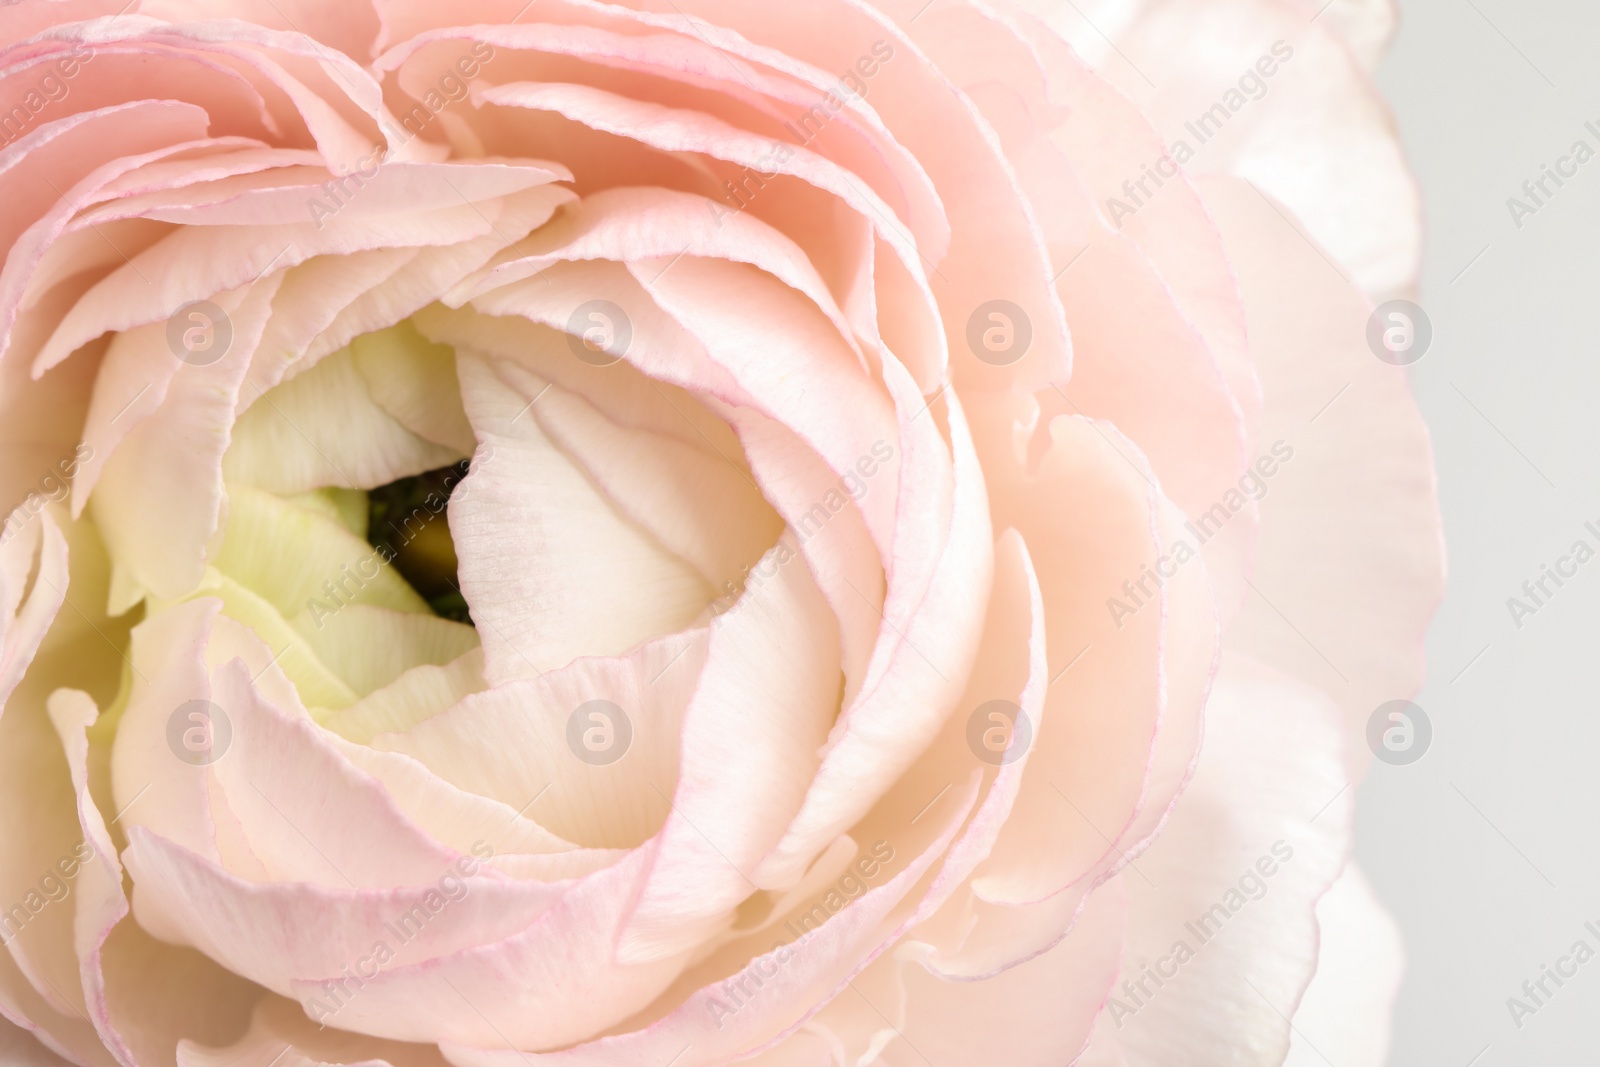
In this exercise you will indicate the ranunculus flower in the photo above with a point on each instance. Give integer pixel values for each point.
(680, 533)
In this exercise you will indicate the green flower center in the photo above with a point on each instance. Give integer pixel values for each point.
(408, 523)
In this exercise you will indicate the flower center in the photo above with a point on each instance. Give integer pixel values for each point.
(407, 521)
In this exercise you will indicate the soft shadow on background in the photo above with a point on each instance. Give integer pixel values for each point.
(1488, 849)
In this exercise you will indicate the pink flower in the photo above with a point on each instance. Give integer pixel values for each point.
(704, 532)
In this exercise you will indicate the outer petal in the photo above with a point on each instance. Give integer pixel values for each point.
(1038, 1014)
(1350, 565)
(1319, 138)
(789, 981)
(140, 1020)
(1358, 976)
(39, 807)
(1234, 879)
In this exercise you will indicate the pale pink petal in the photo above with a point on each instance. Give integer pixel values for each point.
(790, 980)
(282, 777)
(159, 499)
(631, 224)
(304, 85)
(98, 903)
(415, 382)
(996, 248)
(153, 786)
(199, 261)
(1318, 137)
(920, 667)
(1351, 552)
(78, 153)
(1038, 1014)
(1234, 879)
(528, 744)
(324, 428)
(786, 357)
(773, 93)
(138, 1019)
(1359, 964)
(702, 508)
(54, 1034)
(820, 507)
(39, 827)
(682, 130)
(40, 424)
(1129, 672)
(24, 623)
(453, 817)
(1366, 25)
(436, 268)
(369, 647)
(531, 333)
(283, 932)
(551, 569)
(415, 696)
(752, 737)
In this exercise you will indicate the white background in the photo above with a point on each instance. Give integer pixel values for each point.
(1488, 849)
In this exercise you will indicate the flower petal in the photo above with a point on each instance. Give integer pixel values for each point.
(752, 735)
(1351, 547)
(1359, 962)
(1235, 878)
(551, 570)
